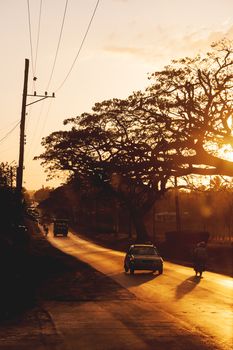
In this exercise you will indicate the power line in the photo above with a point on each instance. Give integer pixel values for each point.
(45, 119)
(34, 137)
(54, 63)
(30, 37)
(33, 146)
(59, 41)
(9, 125)
(38, 34)
(55, 59)
(58, 45)
(9, 132)
(34, 64)
(81, 45)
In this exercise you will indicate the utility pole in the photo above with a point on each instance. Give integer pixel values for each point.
(19, 177)
(19, 181)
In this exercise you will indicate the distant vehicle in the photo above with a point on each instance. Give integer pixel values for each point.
(143, 257)
(60, 227)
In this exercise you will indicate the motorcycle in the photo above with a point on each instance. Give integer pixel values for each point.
(199, 268)
(200, 257)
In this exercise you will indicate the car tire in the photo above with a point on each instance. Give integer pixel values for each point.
(161, 271)
(131, 271)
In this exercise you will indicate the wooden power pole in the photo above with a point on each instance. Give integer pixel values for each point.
(19, 180)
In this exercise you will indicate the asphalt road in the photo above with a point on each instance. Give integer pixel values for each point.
(173, 311)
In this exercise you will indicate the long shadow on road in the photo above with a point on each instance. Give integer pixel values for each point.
(187, 286)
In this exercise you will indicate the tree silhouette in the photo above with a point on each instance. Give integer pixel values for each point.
(134, 147)
(7, 175)
(196, 97)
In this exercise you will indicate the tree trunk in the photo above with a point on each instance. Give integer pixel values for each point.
(140, 228)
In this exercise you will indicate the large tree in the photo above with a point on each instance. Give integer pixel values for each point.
(196, 96)
(133, 147)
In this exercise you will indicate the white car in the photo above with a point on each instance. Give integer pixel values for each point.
(143, 257)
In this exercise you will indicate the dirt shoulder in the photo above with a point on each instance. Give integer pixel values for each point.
(46, 273)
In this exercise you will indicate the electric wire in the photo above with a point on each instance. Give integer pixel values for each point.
(35, 131)
(55, 59)
(33, 149)
(36, 59)
(9, 125)
(81, 45)
(9, 132)
(30, 37)
(58, 45)
(51, 75)
(38, 35)
(56, 55)
(45, 119)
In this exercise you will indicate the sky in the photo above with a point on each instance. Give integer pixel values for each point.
(127, 40)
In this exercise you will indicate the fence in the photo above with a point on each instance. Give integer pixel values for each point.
(221, 239)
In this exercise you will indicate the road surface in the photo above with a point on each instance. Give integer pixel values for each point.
(82, 309)
(175, 310)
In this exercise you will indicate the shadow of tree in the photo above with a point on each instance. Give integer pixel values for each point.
(186, 286)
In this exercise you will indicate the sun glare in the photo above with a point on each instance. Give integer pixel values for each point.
(230, 124)
(226, 152)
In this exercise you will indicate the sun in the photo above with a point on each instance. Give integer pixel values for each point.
(226, 152)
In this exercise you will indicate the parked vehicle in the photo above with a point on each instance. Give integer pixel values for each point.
(60, 227)
(143, 257)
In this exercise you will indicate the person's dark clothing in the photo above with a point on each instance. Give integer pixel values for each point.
(200, 258)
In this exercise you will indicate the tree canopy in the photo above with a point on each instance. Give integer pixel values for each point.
(196, 97)
(174, 128)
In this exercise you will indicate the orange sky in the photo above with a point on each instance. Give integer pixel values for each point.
(127, 40)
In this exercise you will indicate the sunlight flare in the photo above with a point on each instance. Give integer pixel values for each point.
(226, 152)
(230, 124)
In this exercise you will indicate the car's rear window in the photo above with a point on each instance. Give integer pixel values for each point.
(144, 251)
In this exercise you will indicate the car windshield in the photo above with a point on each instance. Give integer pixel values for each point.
(144, 251)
